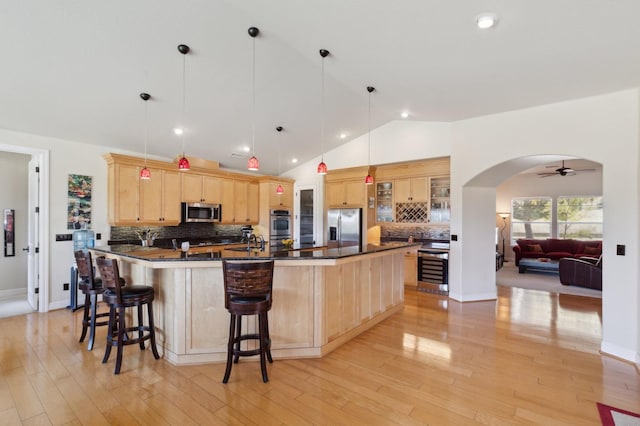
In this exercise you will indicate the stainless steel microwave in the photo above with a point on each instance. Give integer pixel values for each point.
(201, 212)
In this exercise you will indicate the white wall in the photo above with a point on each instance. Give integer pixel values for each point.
(67, 158)
(603, 129)
(485, 151)
(13, 195)
(531, 185)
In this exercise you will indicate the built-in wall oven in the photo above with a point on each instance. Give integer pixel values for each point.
(433, 269)
(281, 226)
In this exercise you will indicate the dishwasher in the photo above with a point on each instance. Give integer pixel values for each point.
(433, 270)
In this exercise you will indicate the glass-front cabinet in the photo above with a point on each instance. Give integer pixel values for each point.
(384, 202)
(440, 207)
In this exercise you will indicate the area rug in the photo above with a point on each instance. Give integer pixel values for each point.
(612, 416)
(509, 276)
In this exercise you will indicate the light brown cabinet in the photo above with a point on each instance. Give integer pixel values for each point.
(349, 193)
(160, 198)
(201, 189)
(240, 202)
(273, 200)
(412, 190)
(133, 201)
(411, 270)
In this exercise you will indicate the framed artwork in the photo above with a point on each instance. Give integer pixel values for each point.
(79, 206)
(9, 233)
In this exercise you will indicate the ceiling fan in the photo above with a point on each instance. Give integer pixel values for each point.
(564, 171)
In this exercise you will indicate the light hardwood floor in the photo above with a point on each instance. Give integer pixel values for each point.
(528, 358)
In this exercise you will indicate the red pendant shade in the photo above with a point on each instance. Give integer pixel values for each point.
(183, 164)
(253, 164)
(322, 168)
(145, 173)
(368, 180)
(279, 190)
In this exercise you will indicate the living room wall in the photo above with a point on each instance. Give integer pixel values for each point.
(531, 185)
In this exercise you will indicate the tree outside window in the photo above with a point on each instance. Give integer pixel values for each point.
(580, 217)
(531, 218)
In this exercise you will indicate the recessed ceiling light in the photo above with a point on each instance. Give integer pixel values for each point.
(294, 160)
(405, 114)
(343, 135)
(246, 149)
(486, 20)
(178, 131)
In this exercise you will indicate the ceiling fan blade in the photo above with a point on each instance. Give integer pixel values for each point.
(544, 175)
(584, 170)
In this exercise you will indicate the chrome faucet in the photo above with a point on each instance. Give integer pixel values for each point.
(258, 242)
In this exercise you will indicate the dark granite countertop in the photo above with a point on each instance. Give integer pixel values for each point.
(209, 253)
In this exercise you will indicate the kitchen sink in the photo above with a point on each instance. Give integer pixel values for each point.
(244, 249)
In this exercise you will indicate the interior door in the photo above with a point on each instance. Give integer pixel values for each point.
(33, 245)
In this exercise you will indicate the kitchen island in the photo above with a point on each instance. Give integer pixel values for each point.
(322, 297)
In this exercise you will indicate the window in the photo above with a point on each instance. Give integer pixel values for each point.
(531, 218)
(580, 217)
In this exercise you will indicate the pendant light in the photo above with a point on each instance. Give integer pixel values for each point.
(279, 188)
(253, 164)
(145, 173)
(369, 179)
(183, 163)
(322, 167)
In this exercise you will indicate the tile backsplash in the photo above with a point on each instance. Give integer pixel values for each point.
(423, 232)
(189, 230)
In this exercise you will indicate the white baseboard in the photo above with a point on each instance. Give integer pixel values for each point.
(13, 293)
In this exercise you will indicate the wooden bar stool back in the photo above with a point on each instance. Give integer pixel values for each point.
(91, 287)
(247, 289)
(119, 298)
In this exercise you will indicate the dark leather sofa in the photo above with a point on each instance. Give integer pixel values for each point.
(585, 272)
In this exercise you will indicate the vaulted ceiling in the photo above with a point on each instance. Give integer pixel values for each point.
(74, 69)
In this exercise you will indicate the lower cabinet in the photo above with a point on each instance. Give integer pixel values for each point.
(411, 270)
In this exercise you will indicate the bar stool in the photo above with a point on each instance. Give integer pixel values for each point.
(119, 298)
(247, 290)
(91, 287)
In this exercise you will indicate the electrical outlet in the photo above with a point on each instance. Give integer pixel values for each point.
(65, 286)
(98, 236)
(454, 237)
(620, 249)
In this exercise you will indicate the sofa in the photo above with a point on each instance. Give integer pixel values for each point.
(585, 272)
(555, 248)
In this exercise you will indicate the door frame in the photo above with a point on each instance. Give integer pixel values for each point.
(42, 158)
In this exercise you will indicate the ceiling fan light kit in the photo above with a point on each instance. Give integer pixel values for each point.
(564, 171)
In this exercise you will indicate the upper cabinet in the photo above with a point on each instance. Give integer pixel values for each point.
(157, 201)
(346, 187)
(270, 198)
(440, 207)
(160, 198)
(415, 192)
(201, 189)
(412, 190)
(132, 201)
(240, 202)
(384, 202)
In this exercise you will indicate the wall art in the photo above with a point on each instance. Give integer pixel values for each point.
(79, 206)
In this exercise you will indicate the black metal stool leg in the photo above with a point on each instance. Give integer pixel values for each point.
(92, 320)
(230, 345)
(85, 317)
(152, 331)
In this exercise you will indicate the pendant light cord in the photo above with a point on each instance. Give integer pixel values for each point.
(369, 160)
(146, 133)
(253, 101)
(184, 98)
(322, 113)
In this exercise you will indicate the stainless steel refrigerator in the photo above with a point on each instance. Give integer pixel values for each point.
(344, 228)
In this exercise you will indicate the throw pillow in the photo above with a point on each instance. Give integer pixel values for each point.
(591, 250)
(535, 247)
